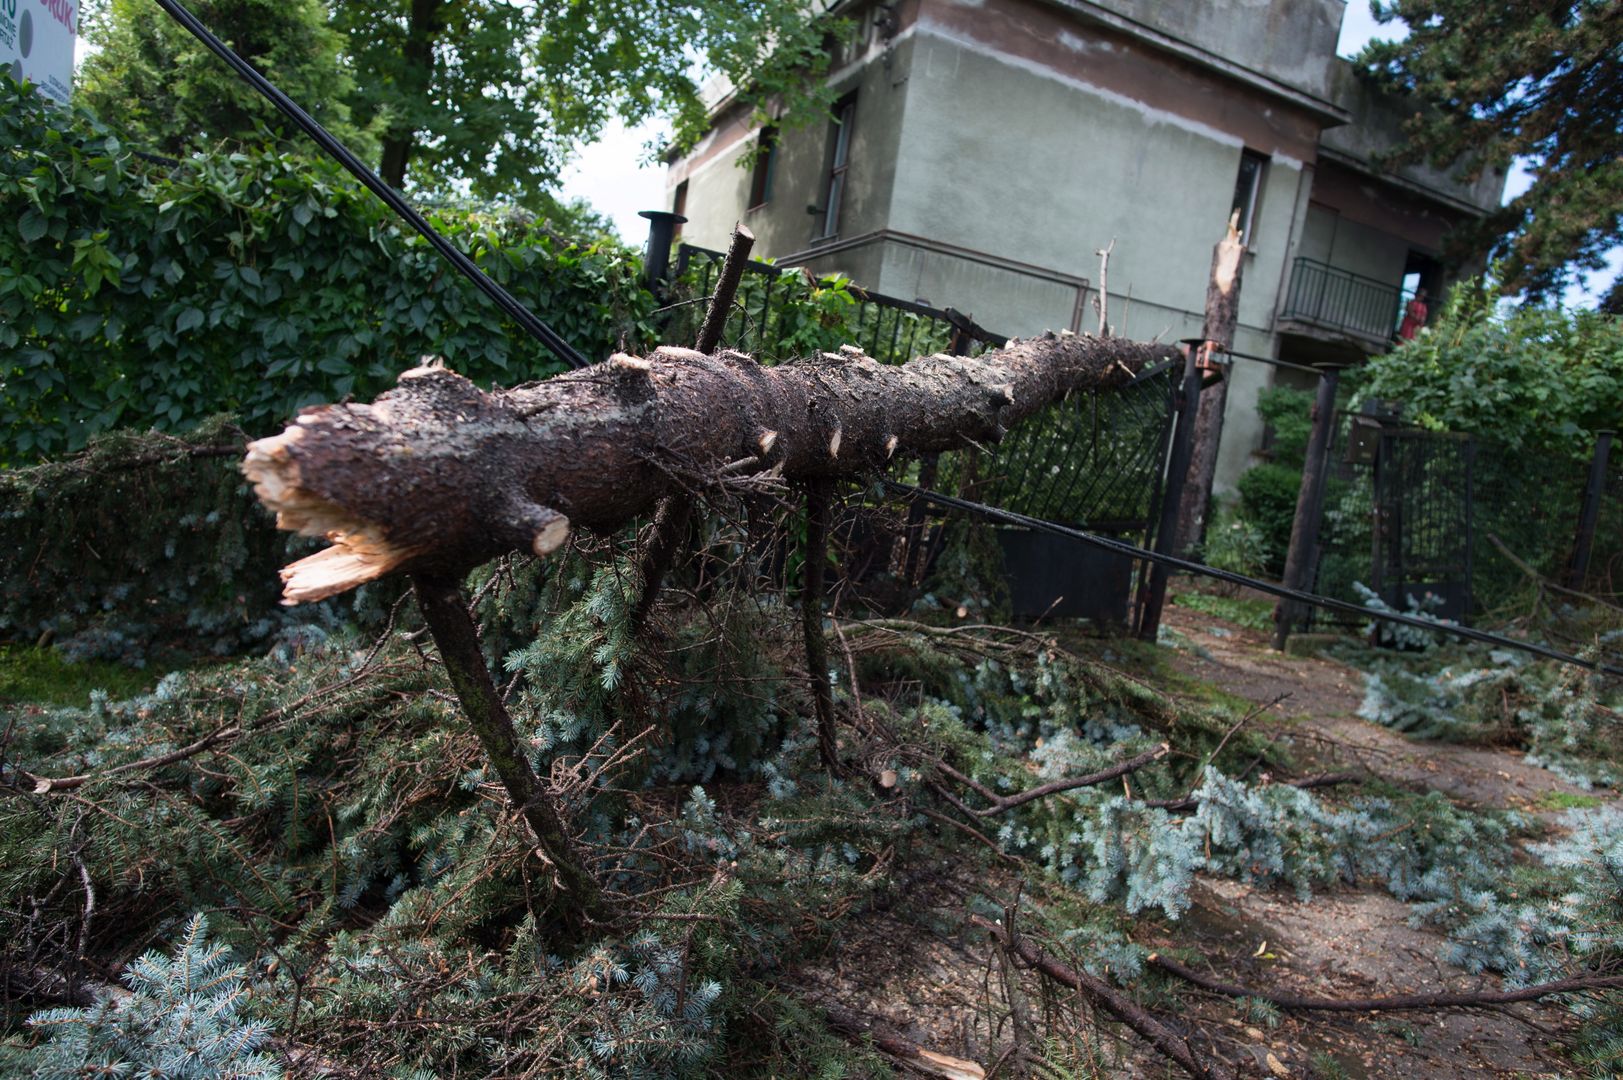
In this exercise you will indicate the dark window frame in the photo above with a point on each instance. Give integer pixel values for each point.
(764, 169)
(834, 181)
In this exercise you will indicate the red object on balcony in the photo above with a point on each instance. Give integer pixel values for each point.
(1414, 317)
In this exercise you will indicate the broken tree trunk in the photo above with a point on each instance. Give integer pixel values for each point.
(1222, 316)
(438, 476)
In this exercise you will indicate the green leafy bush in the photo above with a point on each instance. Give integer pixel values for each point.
(1532, 378)
(1268, 490)
(1235, 543)
(135, 294)
(1268, 504)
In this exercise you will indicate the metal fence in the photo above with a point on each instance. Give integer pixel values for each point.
(1467, 520)
(765, 324)
(1325, 296)
(1095, 460)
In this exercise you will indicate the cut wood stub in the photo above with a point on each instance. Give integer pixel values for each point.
(438, 476)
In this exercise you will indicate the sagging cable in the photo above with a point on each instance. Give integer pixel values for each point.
(1133, 551)
(464, 265)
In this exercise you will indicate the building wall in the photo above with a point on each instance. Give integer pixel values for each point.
(998, 146)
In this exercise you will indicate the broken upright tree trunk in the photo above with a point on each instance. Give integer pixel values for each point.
(1222, 315)
(438, 476)
(674, 514)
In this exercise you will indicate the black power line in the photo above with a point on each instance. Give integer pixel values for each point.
(324, 138)
(1122, 548)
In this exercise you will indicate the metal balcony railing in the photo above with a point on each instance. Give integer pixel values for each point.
(1322, 295)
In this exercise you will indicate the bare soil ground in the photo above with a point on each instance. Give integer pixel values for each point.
(910, 966)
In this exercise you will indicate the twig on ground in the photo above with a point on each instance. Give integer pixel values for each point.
(1110, 1000)
(1395, 1003)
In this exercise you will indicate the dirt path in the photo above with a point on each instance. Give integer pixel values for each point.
(911, 966)
(1328, 732)
(1358, 942)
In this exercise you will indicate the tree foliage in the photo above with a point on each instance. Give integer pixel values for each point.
(482, 96)
(168, 93)
(1528, 79)
(181, 1020)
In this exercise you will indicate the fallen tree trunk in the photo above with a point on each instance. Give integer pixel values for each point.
(438, 476)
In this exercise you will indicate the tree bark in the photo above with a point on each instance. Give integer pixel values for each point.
(446, 613)
(1222, 316)
(422, 27)
(438, 476)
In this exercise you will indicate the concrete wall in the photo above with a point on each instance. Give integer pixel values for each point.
(1287, 41)
(1377, 126)
(719, 189)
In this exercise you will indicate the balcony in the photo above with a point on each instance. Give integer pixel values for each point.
(1328, 298)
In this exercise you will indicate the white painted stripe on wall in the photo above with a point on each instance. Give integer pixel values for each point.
(929, 27)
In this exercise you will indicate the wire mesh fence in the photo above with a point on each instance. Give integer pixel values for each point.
(783, 312)
(1477, 523)
(1096, 459)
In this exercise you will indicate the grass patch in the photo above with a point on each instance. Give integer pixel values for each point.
(1561, 800)
(41, 677)
(1253, 613)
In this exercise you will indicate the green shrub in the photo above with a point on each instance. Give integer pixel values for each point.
(1236, 544)
(1268, 505)
(1531, 378)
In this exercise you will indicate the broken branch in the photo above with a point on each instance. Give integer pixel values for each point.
(1000, 803)
(1109, 999)
(1395, 1003)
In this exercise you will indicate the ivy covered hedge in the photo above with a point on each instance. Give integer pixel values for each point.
(143, 293)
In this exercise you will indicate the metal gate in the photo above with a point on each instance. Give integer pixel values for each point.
(1421, 535)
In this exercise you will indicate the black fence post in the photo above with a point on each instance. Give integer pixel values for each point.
(1166, 531)
(656, 259)
(1304, 547)
(1593, 493)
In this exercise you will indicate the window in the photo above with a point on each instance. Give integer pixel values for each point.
(839, 160)
(1247, 188)
(766, 162)
(679, 207)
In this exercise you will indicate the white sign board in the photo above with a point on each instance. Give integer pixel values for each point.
(36, 43)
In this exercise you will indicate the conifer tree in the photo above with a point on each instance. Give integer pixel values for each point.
(1523, 79)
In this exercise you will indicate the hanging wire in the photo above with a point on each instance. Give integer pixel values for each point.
(392, 198)
(1122, 548)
